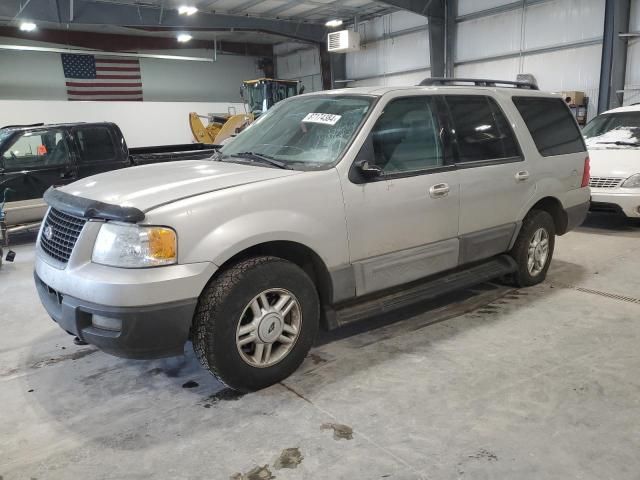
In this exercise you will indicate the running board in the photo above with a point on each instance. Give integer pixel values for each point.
(427, 290)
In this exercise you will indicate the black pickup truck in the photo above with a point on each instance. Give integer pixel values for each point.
(36, 157)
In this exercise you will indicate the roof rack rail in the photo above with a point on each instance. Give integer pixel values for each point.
(24, 126)
(479, 82)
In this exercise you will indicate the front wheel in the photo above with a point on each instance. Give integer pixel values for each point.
(256, 322)
(533, 248)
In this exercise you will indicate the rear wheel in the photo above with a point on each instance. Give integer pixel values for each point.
(256, 322)
(533, 248)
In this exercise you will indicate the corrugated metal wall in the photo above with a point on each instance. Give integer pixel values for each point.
(558, 41)
(395, 51)
(297, 61)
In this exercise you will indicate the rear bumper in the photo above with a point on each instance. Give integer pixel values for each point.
(146, 331)
(576, 215)
(627, 202)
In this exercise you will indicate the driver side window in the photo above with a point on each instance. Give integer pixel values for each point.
(405, 137)
(37, 150)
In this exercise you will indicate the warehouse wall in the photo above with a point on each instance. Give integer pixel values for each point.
(632, 84)
(299, 61)
(384, 58)
(565, 57)
(36, 75)
(142, 123)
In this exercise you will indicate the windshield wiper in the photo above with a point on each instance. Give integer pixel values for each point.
(261, 158)
(620, 142)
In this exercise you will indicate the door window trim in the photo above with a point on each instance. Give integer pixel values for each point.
(42, 168)
(81, 157)
(453, 136)
(447, 165)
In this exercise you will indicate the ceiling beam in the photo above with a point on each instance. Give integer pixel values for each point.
(426, 8)
(100, 13)
(243, 6)
(129, 43)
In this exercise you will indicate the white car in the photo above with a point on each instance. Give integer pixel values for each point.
(613, 140)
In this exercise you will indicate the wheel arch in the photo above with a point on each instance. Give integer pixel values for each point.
(553, 207)
(295, 252)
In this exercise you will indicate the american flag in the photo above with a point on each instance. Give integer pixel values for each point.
(93, 77)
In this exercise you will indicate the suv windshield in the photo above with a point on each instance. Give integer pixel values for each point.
(614, 130)
(304, 133)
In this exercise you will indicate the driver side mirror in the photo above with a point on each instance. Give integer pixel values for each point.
(367, 169)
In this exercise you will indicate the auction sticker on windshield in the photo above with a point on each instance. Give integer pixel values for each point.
(323, 118)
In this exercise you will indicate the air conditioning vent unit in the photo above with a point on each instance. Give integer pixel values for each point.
(343, 41)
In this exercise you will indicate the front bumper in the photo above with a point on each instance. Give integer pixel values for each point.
(153, 331)
(622, 200)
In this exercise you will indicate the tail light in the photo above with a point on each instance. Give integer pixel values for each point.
(586, 174)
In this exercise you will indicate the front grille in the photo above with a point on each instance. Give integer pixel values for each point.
(60, 233)
(605, 182)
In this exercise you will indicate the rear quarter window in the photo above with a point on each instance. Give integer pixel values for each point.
(96, 144)
(553, 128)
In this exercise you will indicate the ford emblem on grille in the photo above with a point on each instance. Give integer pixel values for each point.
(48, 232)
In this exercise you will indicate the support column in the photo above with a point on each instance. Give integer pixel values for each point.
(613, 65)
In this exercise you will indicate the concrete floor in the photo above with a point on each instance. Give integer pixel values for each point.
(542, 383)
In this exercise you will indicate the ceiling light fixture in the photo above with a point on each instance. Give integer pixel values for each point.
(27, 26)
(334, 23)
(187, 10)
(184, 37)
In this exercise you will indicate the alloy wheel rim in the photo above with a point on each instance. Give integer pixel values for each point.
(269, 327)
(538, 252)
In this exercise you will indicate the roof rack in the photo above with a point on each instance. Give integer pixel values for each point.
(479, 82)
(23, 126)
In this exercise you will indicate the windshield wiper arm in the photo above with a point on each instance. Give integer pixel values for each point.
(621, 142)
(261, 158)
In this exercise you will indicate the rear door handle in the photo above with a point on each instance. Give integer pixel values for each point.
(439, 190)
(522, 176)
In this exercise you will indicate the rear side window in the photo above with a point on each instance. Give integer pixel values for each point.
(96, 145)
(481, 129)
(551, 124)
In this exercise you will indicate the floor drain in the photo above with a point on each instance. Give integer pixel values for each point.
(613, 296)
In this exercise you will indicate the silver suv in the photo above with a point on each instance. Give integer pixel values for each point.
(331, 207)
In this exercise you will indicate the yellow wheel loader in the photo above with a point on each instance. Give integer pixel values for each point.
(259, 95)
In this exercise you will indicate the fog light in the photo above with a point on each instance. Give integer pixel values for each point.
(106, 323)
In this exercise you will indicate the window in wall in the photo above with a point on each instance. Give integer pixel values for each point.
(96, 145)
(36, 150)
(481, 129)
(405, 137)
(553, 128)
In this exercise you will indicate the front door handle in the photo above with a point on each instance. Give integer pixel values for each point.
(67, 175)
(522, 176)
(439, 190)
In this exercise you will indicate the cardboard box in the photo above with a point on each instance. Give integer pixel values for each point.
(575, 98)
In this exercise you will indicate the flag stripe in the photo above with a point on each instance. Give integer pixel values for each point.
(116, 60)
(89, 77)
(98, 84)
(118, 77)
(106, 99)
(117, 69)
(104, 92)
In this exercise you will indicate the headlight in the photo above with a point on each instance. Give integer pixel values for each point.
(135, 246)
(632, 182)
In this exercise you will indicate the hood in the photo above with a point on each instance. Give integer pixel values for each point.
(148, 186)
(614, 162)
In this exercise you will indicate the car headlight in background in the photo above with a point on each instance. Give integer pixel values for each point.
(135, 246)
(632, 182)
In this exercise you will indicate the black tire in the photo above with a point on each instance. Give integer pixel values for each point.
(534, 220)
(219, 312)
